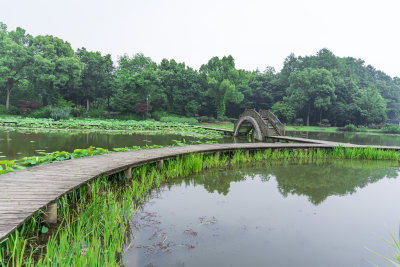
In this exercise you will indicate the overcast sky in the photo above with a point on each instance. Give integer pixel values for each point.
(256, 33)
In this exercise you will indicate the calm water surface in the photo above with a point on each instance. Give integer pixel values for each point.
(284, 215)
(15, 144)
(354, 138)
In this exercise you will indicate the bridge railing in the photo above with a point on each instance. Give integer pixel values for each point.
(279, 127)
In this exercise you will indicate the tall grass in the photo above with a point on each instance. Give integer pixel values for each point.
(94, 219)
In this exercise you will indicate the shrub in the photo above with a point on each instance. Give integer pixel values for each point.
(78, 111)
(179, 120)
(157, 115)
(26, 106)
(206, 119)
(60, 113)
(11, 110)
(374, 126)
(94, 113)
(142, 108)
(61, 102)
(56, 113)
(362, 128)
(129, 117)
(43, 112)
(299, 122)
(349, 128)
(324, 123)
(225, 118)
(391, 128)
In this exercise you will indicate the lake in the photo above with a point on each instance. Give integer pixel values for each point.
(353, 138)
(326, 214)
(18, 143)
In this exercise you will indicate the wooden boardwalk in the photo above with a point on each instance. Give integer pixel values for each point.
(226, 131)
(302, 140)
(24, 192)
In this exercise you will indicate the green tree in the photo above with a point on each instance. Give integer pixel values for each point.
(55, 68)
(97, 76)
(181, 86)
(136, 78)
(221, 77)
(14, 58)
(371, 107)
(283, 111)
(311, 90)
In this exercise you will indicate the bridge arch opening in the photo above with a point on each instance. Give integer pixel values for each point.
(248, 125)
(259, 125)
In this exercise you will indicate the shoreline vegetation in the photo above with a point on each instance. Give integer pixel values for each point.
(169, 126)
(93, 220)
(109, 125)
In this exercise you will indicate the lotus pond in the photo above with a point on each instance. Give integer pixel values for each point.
(330, 213)
(19, 143)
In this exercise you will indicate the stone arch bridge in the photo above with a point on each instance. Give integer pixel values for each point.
(259, 125)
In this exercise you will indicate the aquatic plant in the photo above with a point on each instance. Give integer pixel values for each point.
(177, 127)
(175, 119)
(396, 245)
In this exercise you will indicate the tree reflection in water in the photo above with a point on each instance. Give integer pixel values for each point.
(317, 180)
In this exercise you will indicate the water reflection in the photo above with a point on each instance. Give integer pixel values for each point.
(268, 214)
(317, 180)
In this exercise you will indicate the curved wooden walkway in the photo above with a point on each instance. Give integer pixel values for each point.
(24, 192)
(303, 140)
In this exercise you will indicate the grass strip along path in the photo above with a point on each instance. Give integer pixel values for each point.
(25, 192)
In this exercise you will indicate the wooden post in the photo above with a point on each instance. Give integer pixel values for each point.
(247, 153)
(160, 164)
(216, 154)
(50, 213)
(128, 173)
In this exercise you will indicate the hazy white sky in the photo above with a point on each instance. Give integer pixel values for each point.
(256, 33)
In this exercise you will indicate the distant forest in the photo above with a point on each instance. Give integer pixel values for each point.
(320, 88)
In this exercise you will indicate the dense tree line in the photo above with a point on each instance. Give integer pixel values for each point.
(323, 86)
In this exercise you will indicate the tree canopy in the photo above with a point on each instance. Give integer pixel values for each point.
(46, 69)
